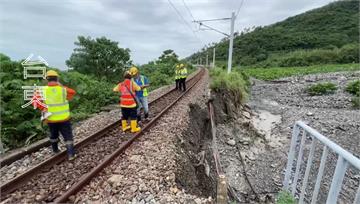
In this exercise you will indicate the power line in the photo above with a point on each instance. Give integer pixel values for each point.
(184, 21)
(216, 19)
(237, 12)
(188, 10)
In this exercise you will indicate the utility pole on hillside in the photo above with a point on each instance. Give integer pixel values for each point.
(231, 42)
(231, 36)
(207, 60)
(213, 64)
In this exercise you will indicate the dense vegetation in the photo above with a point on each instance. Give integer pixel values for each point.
(321, 89)
(22, 125)
(321, 36)
(162, 71)
(280, 72)
(99, 57)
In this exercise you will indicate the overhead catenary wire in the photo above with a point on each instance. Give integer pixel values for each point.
(184, 21)
(187, 8)
(238, 10)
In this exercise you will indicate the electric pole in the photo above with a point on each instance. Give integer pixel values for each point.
(213, 65)
(207, 59)
(231, 36)
(231, 42)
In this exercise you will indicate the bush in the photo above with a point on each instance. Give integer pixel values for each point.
(22, 126)
(285, 197)
(355, 102)
(354, 87)
(322, 88)
(233, 82)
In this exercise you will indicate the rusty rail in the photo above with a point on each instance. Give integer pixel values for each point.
(12, 157)
(84, 180)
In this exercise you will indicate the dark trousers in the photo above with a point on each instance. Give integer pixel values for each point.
(177, 81)
(66, 131)
(129, 113)
(182, 85)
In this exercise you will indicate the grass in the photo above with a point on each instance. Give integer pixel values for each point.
(355, 102)
(285, 197)
(321, 89)
(354, 87)
(280, 72)
(236, 83)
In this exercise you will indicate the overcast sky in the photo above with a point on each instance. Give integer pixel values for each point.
(147, 27)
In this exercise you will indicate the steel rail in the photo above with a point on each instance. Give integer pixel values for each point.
(12, 157)
(13, 184)
(85, 179)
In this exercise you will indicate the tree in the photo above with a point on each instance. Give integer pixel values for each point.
(100, 57)
(168, 57)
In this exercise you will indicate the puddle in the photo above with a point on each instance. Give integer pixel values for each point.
(270, 102)
(264, 122)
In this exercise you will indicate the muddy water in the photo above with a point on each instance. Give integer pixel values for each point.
(264, 122)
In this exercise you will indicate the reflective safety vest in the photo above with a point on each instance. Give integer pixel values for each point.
(183, 73)
(126, 99)
(145, 92)
(57, 104)
(177, 74)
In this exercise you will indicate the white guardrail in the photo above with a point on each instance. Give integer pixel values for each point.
(344, 159)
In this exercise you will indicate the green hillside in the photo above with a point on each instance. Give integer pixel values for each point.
(325, 30)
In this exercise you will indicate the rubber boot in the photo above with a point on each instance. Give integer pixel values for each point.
(55, 148)
(124, 125)
(146, 115)
(139, 118)
(71, 151)
(134, 127)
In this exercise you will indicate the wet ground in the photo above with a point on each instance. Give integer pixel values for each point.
(255, 143)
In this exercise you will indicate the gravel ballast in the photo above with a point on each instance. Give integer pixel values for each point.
(81, 130)
(146, 172)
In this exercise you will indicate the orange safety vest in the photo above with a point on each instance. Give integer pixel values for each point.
(126, 99)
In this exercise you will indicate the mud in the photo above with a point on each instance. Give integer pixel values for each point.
(254, 139)
(197, 169)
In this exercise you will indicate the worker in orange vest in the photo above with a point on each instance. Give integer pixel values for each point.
(128, 103)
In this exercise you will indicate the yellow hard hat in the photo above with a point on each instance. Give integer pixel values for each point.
(133, 71)
(177, 66)
(182, 65)
(52, 73)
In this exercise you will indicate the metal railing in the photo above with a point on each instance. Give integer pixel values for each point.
(344, 160)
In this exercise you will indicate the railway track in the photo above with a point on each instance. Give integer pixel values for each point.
(55, 179)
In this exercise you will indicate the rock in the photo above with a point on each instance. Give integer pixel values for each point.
(149, 198)
(133, 188)
(231, 142)
(115, 180)
(309, 114)
(197, 201)
(247, 114)
(174, 190)
(142, 187)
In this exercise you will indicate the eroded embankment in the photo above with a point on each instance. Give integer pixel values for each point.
(196, 172)
(246, 152)
(239, 144)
